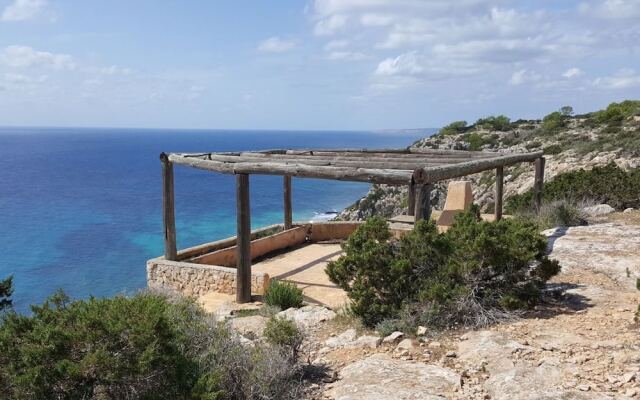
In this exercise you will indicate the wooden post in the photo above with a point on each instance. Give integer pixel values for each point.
(499, 192)
(288, 215)
(423, 202)
(411, 207)
(538, 183)
(243, 256)
(168, 214)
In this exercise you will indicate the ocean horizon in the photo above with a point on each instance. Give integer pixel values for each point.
(81, 207)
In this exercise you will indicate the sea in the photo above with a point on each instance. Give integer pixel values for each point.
(80, 209)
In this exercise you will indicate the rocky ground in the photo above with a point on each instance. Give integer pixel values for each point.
(582, 344)
(388, 201)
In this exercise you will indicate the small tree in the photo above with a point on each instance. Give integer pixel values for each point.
(6, 290)
(566, 111)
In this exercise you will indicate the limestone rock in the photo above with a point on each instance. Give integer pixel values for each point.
(369, 341)
(393, 337)
(598, 210)
(380, 377)
(406, 344)
(251, 326)
(308, 316)
(342, 339)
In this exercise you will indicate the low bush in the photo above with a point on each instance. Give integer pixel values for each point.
(454, 128)
(283, 333)
(6, 290)
(471, 275)
(608, 184)
(552, 149)
(283, 294)
(495, 123)
(141, 347)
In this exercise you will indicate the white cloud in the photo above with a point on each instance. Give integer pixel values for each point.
(276, 45)
(404, 64)
(23, 10)
(376, 20)
(572, 73)
(623, 79)
(331, 25)
(115, 70)
(24, 57)
(346, 55)
(336, 44)
(612, 9)
(23, 79)
(523, 76)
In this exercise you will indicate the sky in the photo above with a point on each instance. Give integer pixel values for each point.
(311, 64)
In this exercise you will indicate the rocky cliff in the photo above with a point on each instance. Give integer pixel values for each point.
(569, 142)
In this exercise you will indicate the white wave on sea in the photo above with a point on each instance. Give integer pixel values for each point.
(324, 216)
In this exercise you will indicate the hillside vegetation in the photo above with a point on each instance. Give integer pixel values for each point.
(570, 142)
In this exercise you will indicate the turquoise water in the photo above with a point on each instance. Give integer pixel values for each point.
(80, 209)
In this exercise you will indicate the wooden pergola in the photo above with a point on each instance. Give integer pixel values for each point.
(419, 169)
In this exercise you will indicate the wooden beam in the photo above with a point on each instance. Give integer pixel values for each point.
(392, 177)
(423, 202)
(435, 174)
(168, 213)
(243, 268)
(288, 214)
(411, 206)
(538, 182)
(499, 192)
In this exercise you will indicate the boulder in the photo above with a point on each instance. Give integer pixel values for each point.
(381, 377)
(252, 326)
(369, 341)
(342, 339)
(598, 210)
(393, 337)
(308, 316)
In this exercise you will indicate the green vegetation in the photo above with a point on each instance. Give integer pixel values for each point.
(495, 123)
(556, 213)
(284, 333)
(552, 149)
(609, 184)
(283, 294)
(454, 128)
(471, 275)
(141, 347)
(6, 290)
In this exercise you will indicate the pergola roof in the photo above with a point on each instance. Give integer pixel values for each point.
(389, 166)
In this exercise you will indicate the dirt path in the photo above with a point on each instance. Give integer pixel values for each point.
(582, 345)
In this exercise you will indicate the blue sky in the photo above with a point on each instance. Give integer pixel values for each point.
(316, 64)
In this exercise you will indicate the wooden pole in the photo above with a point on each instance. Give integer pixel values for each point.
(499, 192)
(288, 214)
(168, 213)
(411, 207)
(538, 182)
(423, 202)
(243, 267)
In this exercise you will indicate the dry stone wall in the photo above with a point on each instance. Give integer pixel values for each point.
(196, 280)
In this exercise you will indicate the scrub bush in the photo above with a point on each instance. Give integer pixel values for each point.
(608, 184)
(6, 290)
(283, 294)
(283, 333)
(141, 347)
(471, 275)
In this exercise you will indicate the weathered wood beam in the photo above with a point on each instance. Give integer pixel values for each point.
(392, 177)
(411, 206)
(381, 154)
(288, 214)
(168, 213)
(538, 182)
(423, 202)
(499, 192)
(243, 268)
(435, 174)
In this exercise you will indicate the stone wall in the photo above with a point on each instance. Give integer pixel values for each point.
(196, 280)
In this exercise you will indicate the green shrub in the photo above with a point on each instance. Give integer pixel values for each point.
(454, 128)
(283, 333)
(495, 123)
(552, 149)
(609, 184)
(475, 140)
(553, 122)
(283, 294)
(469, 275)
(141, 347)
(6, 290)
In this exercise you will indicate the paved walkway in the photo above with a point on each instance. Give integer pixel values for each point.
(305, 266)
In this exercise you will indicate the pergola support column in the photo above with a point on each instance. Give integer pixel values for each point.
(243, 257)
(538, 182)
(168, 213)
(288, 213)
(411, 206)
(499, 192)
(422, 201)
